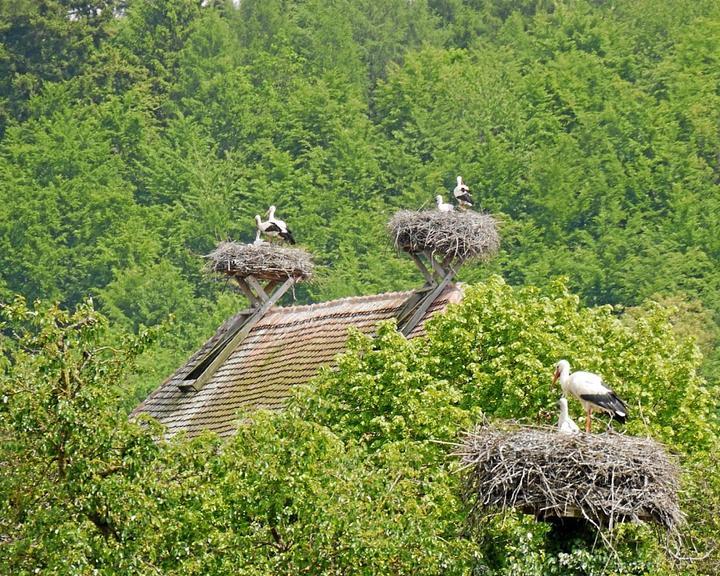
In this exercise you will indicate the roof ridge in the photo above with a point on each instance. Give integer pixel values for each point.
(328, 303)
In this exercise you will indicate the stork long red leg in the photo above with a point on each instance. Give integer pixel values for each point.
(587, 420)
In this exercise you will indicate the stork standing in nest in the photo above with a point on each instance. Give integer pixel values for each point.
(282, 230)
(269, 229)
(590, 390)
(462, 194)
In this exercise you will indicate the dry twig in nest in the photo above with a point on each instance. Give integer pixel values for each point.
(605, 478)
(265, 261)
(457, 234)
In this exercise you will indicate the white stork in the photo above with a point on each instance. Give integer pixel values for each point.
(462, 193)
(589, 389)
(566, 425)
(443, 206)
(268, 228)
(284, 231)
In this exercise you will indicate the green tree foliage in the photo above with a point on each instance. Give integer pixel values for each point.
(356, 476)
(46, 41)
(67, 452)
(153, 33)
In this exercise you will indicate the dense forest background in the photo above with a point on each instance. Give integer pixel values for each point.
(134, 135)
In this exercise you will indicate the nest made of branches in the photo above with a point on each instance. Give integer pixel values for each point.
(460, 234)
(265, 261)
(605, 479)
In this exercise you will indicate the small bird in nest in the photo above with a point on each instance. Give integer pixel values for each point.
(442, 205)
(566, 425)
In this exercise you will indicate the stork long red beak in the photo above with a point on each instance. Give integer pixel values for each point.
(556, 375)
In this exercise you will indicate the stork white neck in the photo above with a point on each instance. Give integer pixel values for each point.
(271, 213)
(459, 180)
(562, 373)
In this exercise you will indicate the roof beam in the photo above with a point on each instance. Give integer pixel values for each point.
(425, 303)
(202, 373)
(257, 288)
(409, 306)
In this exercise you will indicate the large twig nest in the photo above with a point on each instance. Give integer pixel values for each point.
(606, 478)
(461, 234)
(264, 260)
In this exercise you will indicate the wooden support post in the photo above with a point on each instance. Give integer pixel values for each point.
(423, 269)
(429, 257)
(257, 289)
(204, 370)
(438, 271)
(254, 302)
(426, 303)
(447, 261)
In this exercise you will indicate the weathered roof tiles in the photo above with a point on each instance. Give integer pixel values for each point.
(286, 347)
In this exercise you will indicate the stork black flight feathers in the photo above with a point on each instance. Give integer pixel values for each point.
(284, 231)
(590, 390)
(610, 403)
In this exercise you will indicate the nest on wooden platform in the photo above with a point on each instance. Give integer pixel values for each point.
(605, 479)
(264, 261)
(460, 234)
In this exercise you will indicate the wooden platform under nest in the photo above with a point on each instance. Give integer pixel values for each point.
(601, 478)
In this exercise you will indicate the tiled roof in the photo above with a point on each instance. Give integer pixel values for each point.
(287, 346)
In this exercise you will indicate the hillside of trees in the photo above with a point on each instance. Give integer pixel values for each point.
(131, 145)
(136, 134)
